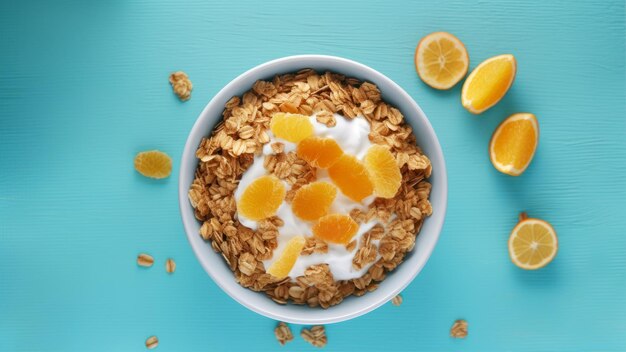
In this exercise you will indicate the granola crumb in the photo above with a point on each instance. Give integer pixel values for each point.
(283, 333)
(397, 300)
(459, 329)
(316, 336)
(152, 342)
(181, 85)
(145, 260)
(170, 265)
(278, 147)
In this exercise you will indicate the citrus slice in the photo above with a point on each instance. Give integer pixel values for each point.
(350, 175)
(153, 164)
(488, 83)
(533, 243)
(319, 152)
(262, 198)
(383, 170)
(513, 143)
(291, 127)
(335, 228)
(283, 265)
(313, 201)
(441, 60)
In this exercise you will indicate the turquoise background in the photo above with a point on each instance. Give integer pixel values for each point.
(83, 88)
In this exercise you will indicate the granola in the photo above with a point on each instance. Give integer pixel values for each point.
(230, 150)
(283, 333)
(316, 336)
(459, 329)
(181, 85)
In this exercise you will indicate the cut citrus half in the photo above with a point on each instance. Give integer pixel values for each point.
(319, 152)
(513, 143)
(335, 228)
(488, 83)
(441, 60)
(383, 170)
(283, 265)
(291, 127)
(313, 201)
(262, 198)
(154, 164)
(533, 243)
(350, 175)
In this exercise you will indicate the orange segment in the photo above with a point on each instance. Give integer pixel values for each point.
(533, 243)
(291, 127)
(261, 198)
(283, 265)
(313, 201)
(513, 143)
(349, 174)
(383, 170)
(488, 83)
(319, 152)
(154, 164)
(441, 60)
(336, 228)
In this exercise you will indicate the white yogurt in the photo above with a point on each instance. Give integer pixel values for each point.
(352, 137)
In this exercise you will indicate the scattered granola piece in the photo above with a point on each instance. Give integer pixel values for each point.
(316, 336)
(152, 342)
(144, 259)
(170, 265)
(397, 300)
(459, 329)
(181, 84)
(283, 333)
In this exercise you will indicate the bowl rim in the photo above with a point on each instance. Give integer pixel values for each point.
(190, 147)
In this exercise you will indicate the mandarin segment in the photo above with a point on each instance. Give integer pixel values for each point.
(319, 152)
(335, 228)
(383, 170)
(441, 60)
(262, 198)
(153, 164)
(352, 178)
(283, 265)
(291, 127)
(313, 201)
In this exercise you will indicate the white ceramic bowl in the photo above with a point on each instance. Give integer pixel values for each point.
(396, 281)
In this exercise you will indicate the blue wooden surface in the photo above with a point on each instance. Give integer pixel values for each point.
(83, 87)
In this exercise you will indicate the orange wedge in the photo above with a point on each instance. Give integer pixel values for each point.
(291, 127)
(383, 170)
(533, 243)
(488, 83)
(441, 60)
(262, 198)
(283, 265)
(513, 143)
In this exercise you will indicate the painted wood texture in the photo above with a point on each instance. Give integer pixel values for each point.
(83, 87)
